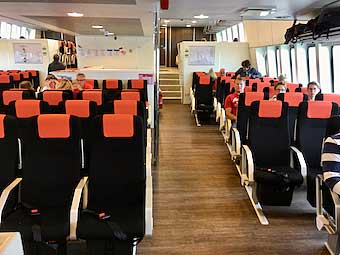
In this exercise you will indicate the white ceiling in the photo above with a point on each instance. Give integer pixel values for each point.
(182, 12)
(51, 14)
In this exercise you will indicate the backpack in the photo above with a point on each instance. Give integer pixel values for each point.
(292, 33)
(329, 18)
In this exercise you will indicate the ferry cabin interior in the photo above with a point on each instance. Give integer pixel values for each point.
(140, 154)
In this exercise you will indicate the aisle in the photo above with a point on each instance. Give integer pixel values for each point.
(200, 207)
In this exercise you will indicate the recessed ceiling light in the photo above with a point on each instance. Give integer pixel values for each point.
(264, 13)
(164, 25)
(110, 33)
(194, 22)
(202, 16)
(188, 25)
(75, 14)
(97, 26)
(166, 21)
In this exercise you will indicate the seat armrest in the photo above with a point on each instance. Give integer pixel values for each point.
(247, 164)
(75, 207)
(148, 207)
(222, 119)
(5, 193)
(235, 141)
(227, 128)
(218, 111)
(301, 160)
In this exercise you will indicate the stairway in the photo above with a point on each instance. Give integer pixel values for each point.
(169, 83)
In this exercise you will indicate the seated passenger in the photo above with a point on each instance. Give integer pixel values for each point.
(247, 70)
(331, 162)
(75, 89)
(81, 79)
(313, 88)
(212, 74)
(51, 82)
(222, 72)
(65, 84)
(231, 101)
(278, 88)
(26, 85)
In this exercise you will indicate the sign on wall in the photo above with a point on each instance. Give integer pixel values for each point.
(27, 53)
(201, 55)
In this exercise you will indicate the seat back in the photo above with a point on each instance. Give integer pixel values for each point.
(7, 96)
(96, 96)
(140, 85)
(93, 83)
(6, 82)
(203, 92)
(268, 135)
(113, 84)
(117, 170)
(223, 88)
(243, 111)
(8, 150)
(293, 99)
(292, 86)
(51, 161)
(23, 109)
(84, 109)
(54, 97)
(335, 98)
(311, 129)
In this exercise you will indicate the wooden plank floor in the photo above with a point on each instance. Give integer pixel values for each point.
(200, 207)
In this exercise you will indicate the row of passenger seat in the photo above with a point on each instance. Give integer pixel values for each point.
(12, 78)
(51, 183)
(54, 97)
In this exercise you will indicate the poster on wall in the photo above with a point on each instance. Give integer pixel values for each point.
(146, 76)
(201, 55)
(27, 53)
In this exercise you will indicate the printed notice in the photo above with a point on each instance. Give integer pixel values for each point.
(27, 53)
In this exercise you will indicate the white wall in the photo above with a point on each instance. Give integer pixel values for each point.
(7, 55)
(227, 55)
(139, 52)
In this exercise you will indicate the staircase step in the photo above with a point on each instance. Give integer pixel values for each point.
(169, 75)
(170, 87)
(172, 94)
(169, 81)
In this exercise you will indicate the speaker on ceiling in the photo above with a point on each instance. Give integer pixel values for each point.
(164, 4)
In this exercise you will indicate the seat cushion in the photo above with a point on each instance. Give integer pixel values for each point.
(278, 175)
(54, 224)
(131, 223)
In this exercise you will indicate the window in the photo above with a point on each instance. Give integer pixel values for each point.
(293, 61)
(31, 34)
(224, 36)
(336, 66)
(278, 62)
(230, 34)
(219, 37)
(313, 76)
(285, 60)
(302, 65)
(241, 32)
(272, 62)
(235, 32)
(325, 69)
(3, 30)
(261, 60)
(8, 31)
